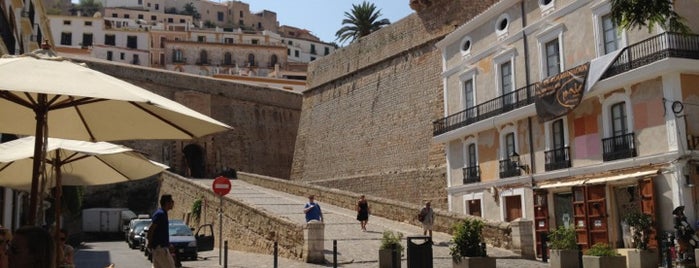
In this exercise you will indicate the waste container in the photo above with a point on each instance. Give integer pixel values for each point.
(419, 251)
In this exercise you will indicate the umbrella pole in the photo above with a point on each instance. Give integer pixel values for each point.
(41, 112)
(57, 209)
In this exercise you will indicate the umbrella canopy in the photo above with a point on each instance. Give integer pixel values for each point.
(81, 163)
(44, 95)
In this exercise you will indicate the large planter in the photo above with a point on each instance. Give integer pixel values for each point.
(603, 262)
(564, 258)
(642, 259)
(385, 256)
(475, 262)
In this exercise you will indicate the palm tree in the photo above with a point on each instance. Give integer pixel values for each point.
(641, 13)
(362, 20)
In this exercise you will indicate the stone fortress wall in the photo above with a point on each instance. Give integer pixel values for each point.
(265, 120)
(366, 120)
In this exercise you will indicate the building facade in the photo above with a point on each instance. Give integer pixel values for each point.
(555, 115)
(302, 46)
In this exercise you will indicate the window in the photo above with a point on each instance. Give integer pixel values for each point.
(557, 134)
(153, 18)
(126, 16)
(182, 21)
(251, 59)
(546, 6)
(201, 39)
(466, 45)
(254, 41)
(135, 60)
(132, 41)
(509, 145)
(290, 42)
(502, 26)
(469, 98)
(115, 15)
(619, 126)
(157, 6)
(87, 40)
(506, 85)
(203, 57)
(219, 16)
(170, 20)
(109, 55)
(140, 16)
(273, 60)
(66, 39)
(228, 40)
(66, 22)
(327, 51)
(610, 34)
(163, 40)
(553, 59)
(288, 52)
(313, 49)
(109, 39)
(122, 56)
(140, 2)
(296, 53)
(88, 23)
(241, 14)
(177, 56)
(471, 158)
(227, 59)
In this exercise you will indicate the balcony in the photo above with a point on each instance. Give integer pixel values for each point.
(618, 147)
(508, 168)
(557, 158)
(500, 105)
(653, 49)
(472, 174)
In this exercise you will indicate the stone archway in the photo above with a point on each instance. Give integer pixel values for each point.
(194, 157)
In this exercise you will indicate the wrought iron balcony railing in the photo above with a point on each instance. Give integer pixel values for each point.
(505, 103)
(472, 174)
(653, 49)
(618, 147)
(509, 169)
(557, 158)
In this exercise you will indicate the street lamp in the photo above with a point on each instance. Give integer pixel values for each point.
(514, 160)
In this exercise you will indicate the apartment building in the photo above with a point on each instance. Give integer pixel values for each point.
(302, 46)
(553, 114)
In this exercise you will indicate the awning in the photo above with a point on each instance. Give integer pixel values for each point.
(590, 181)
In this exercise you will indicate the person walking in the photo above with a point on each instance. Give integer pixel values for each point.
(426, 217)
(312, 210)
(158, 235)
(363, 212)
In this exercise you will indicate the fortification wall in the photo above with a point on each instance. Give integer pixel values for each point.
(366, 120)
(265, 120)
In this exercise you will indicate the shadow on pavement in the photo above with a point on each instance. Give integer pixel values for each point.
(96, 259)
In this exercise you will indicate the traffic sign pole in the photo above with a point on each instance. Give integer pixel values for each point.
(221, 186)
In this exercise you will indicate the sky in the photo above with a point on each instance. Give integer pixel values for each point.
(324, 17)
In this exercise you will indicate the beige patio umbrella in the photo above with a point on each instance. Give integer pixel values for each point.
(73, 163)
(44, 95)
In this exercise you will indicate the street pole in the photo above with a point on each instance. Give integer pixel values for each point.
(220, 229)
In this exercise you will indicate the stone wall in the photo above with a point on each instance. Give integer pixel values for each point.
(246, 227)
(495, 233)
(366, 120)
(265, 120)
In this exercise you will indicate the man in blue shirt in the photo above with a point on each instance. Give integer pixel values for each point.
(158, 235)
(312, 210)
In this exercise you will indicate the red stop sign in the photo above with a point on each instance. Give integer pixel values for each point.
(221, 186)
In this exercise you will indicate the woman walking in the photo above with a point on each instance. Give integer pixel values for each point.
(363, 212)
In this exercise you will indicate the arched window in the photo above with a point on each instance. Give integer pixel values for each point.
(227, 59)
(251, 60)
(177, 56)
(273, 60)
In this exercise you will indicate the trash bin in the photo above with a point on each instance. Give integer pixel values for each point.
(419, 251)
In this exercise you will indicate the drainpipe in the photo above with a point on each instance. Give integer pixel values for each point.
(532, 167)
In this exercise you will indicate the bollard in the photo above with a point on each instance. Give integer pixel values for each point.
(580, 251)
(225, 254)
(334, 253)
(276, 253)
(544, 248)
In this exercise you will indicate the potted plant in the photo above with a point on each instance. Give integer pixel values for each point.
(640, 225)
(564, 248)
(391, 249)
(602, 255)
(468, 249)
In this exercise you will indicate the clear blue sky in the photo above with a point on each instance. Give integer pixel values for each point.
(324, 17)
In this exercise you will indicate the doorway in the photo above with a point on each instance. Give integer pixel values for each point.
(563, 209)
(513, 207)
(194, 155)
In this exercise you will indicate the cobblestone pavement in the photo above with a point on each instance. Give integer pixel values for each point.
(355, 248)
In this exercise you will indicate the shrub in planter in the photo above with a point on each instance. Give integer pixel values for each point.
(468, 249)
(391, 249)
(564, 248)
(640, 224)
(602, 255)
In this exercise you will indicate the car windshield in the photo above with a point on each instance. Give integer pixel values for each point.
(180, 230)
(138, 227)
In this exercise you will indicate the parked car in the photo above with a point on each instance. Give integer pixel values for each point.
(134, 235)
(187, 244)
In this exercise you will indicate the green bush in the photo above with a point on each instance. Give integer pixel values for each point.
(196, 209)
(467, 240)
(641, 224)
(563, 238)
(390, 240)
(601, 250)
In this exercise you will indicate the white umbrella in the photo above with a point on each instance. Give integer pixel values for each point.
(73, 163)
(44, 95)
